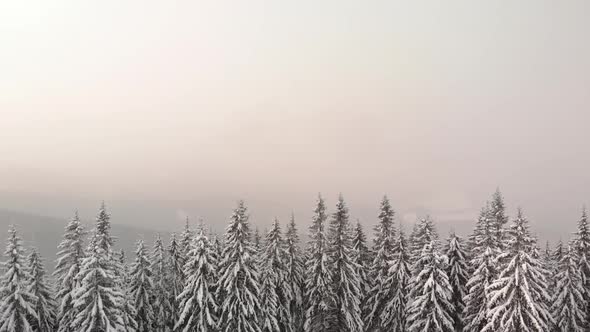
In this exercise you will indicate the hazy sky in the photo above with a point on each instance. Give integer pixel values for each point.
(168, 108)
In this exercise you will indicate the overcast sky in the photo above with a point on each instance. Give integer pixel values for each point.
(174, 108)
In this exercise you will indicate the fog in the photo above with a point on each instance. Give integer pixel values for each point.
(174, 109)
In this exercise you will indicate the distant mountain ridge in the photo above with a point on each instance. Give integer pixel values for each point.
(45, 233)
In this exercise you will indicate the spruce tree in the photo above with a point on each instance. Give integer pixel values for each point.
(497, 213)
(423, 234)
(161, 296)
(393, 316)
(558, 252)
(276, 292)
(98, 301)
(430, 293)
(141, 289)
(295, 277)
(238, 279)
(17, 303)
(412, 246)
(70, 256)
(101, 235)
(483, 264)
(457, 272)
(383, 248)
(269, 300)
(556, 257)
(385, 230)
(345, 281)
(198, 309)
(362, 258)
(217, 249)
(518, 297)
(550, 267)
(45, 308)
(547, 254)
(582, 245)
(257, 241)
(129, 313)
(318, 276)
(568, 310)
(186, 238)
(176, 277)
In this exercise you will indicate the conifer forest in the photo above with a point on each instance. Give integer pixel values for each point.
(343, 279)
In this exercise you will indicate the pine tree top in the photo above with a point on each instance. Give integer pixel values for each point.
(384, 230)
(102, 231)
(291, 235)
(485, 234)
(498, 208)
(36, 268)
(71, 250)
(17, 302)
(319, 219)
(582, 239)
(274, 251)
(339, 226)
(359, 245)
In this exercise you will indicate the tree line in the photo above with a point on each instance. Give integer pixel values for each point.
(497, 279)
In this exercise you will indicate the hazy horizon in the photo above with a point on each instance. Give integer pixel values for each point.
(171, 109)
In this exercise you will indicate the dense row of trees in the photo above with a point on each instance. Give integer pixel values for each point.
(498, 279)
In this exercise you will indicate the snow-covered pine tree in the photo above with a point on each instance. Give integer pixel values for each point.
(384, 230)
(380, 293)
(122, 268)
(128, 312)
(217, 249)
(539, 255)
(141, 289)
(275, 291)
(556, 257)
(197, 306)
(346, 285)
(295, 278)
(457, 273)
(412, 240)
(518, 297)
(121, 258)
(98, 302)
(45, 308)
(551, 269)
(69, 261)
(102, 231)
(483, 264)
(497, 213)
(268, 301)
(362, 258)
(161, 295)
(318, 276)
(186, 238)
(558, 252)
(257, 240)
(582, 245)
(424, 233)
(430, 293)
(17, 303)
(176, 278)
(547, 253)
(568, 309)
(393, 316)
(238, 278)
